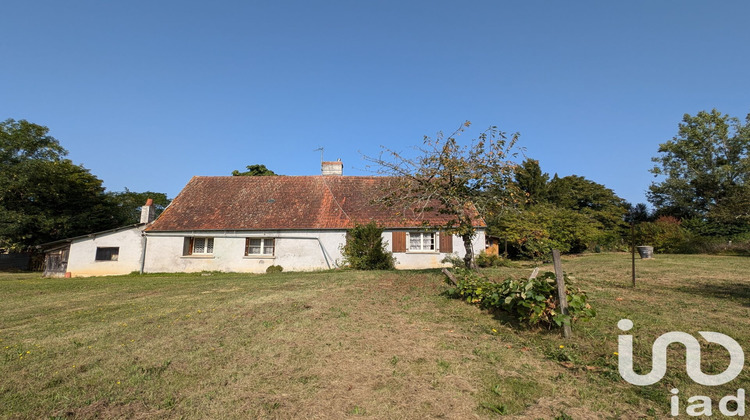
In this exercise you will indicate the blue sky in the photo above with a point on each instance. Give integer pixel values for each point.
(147, 94)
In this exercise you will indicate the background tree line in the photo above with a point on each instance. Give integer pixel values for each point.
(700, 204)
(701, 200)
(572, 214)
(45, 196)
(702, 196)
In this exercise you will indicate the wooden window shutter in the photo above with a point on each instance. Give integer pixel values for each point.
(399, 242)
(446, 242)
(187, 247)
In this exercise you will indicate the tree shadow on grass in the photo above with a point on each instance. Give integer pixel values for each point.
(509, 320)
(739, 292)
(505, 318)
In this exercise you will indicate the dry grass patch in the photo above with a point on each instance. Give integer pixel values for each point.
(339, 344)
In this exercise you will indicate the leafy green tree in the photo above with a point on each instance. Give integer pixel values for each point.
(128, 204)
(254, 170)
(704, 167)
(569, 214)
(638, 213)
(365, 250)
(531, 181)
(590, 198)
(526, 231)
(452, 180)
(665, 234)
(21, 141)
(45, 201)
(43, 196)
(533, 231)
(574, 232)
(734, 208)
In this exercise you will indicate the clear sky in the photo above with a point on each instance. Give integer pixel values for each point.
(147, 94)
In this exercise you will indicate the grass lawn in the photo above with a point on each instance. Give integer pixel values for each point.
(353, 344)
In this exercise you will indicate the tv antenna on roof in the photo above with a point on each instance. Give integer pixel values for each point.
(321, 153)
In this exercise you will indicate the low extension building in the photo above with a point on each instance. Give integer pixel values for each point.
(111, 252)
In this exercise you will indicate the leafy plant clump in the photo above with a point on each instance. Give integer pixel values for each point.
(274, 269)
(365, 250)
(485, 260)
(532, 301)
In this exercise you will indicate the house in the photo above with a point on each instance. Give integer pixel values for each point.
(111, 252)
(246, 224)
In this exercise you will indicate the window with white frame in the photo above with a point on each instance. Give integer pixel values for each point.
(260, 246)
(422, 241)
(199, 246)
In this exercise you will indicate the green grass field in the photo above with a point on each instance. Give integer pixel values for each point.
(353, 344)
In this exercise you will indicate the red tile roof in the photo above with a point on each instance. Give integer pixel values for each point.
(284, 202)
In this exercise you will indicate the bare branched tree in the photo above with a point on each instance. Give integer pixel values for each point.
(462, 183)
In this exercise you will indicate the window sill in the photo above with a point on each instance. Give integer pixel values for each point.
(259, 257)
(198, 257)
(422, 252)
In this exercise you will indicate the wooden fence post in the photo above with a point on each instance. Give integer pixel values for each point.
(450, 276)
(562, 296)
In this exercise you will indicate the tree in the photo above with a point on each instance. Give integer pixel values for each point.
(129, 203)
(532, 231)
(665, 234)
(705, 167)
(365, 250)
(734, 207)
(22, 141)
(44, 201)
(577, 193)
(532, 181)
(569, 214)
(638, 213)
(254, 170)
(461, 182)
(43, 196)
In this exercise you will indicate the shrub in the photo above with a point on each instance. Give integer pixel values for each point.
(365, 250)
(666, 235)
(573, 231)
(454, 260)
(714, 228)
(534, 231)
(532, 301)
(274, 269)
(490, 260)
(716, 245)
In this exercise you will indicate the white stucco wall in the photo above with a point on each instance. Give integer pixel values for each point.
(295, 251)
(82, 259)
(419, 260)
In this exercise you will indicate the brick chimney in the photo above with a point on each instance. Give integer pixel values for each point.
(148, 212)
(332, 168)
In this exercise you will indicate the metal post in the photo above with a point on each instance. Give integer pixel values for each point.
(632, 250)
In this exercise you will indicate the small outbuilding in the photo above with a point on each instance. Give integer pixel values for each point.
(110, 252)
